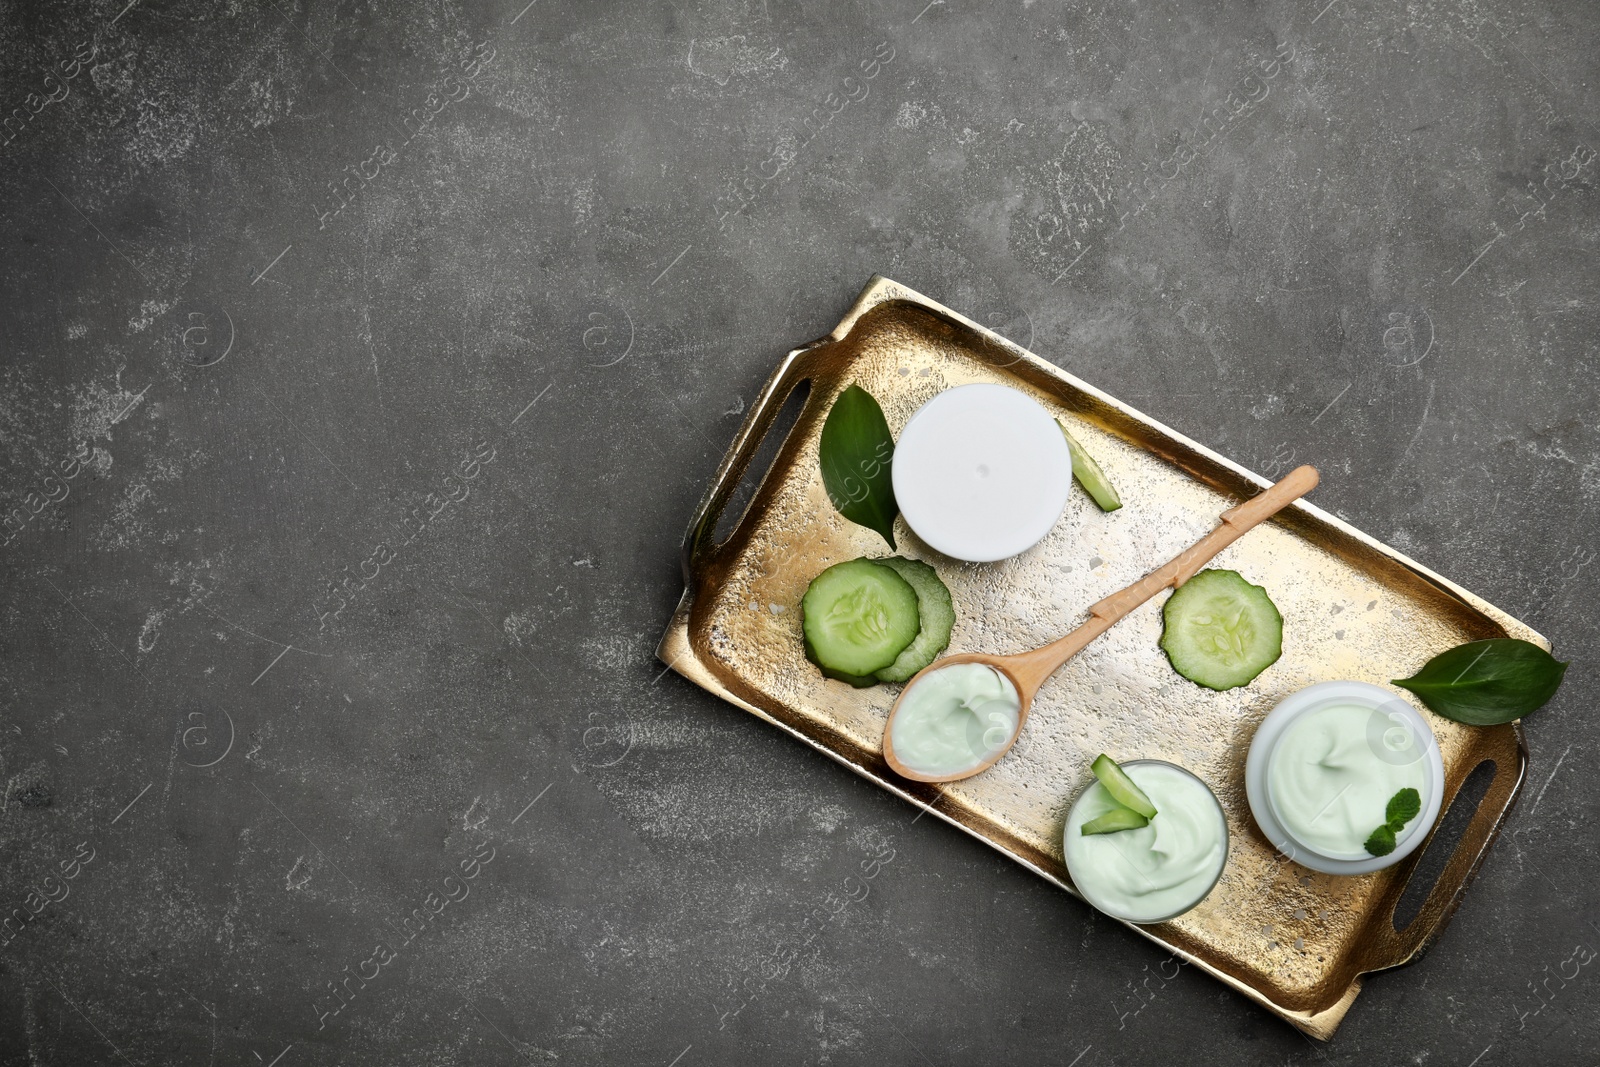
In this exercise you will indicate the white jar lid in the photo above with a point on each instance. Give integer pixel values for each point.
(981, 472)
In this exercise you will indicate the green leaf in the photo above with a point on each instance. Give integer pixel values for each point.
(1403, 807)
(855, 454)
(1484, 683)
(1381, 843)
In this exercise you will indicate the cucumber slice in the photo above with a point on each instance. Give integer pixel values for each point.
(1114, 820)
(1220, 631)
(860, 681)
(1089, 475)
(858, 617)
(934, 608)
(1121, 787)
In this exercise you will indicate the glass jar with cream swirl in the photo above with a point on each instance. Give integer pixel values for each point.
(1163, 866)
(1345, 777)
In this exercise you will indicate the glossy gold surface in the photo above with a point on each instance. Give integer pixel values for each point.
(1291, 939)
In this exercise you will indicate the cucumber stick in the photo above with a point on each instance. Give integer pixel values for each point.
(1122, 790)
(1114, 820)
(1220, 631)
(858, 617)
(1089, 475)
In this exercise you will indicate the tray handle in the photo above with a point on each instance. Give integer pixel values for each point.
(1392, 948)
(697, 546)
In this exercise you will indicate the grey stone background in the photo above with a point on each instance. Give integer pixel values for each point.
(287, 281)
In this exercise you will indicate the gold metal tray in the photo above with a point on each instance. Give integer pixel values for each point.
(1295, 941)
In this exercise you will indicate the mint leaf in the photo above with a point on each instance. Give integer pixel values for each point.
(1485, 683)
(1403, 807)
(855, 453)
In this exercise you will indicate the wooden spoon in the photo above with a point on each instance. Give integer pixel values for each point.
(1028, 670)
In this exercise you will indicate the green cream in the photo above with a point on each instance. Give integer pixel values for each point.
(1331, 775)
(1155, 872)
(953, 719)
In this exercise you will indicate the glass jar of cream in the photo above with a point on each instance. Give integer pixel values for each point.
(1158, 871)
(1324, 766)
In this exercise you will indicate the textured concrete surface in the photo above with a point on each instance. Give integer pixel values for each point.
(363, 362)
